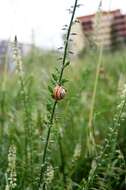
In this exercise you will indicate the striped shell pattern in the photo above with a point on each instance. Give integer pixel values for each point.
(59, 92)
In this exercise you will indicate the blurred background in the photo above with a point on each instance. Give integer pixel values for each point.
(97, 55)
(44, 18)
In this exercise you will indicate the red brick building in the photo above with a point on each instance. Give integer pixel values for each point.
(106, 27)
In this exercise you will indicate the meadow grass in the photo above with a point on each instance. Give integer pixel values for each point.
(46, 143)
(67, 154)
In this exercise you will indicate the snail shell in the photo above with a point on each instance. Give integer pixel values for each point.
(59, 92)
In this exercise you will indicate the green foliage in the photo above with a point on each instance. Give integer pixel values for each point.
(71, 165)
(44, 141)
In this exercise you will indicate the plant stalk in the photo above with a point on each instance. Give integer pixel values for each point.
(55, 103)
(90, 122)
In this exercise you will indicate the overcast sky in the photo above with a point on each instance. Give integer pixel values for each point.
(44, 17)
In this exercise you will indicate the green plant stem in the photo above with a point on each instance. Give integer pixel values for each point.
(3, 94)
(95, 88)
(27, 126)
(55, 103)
(67, 40)
(121, 111)
(114, 126)
(62, 160)
(46, 145)
(90, 122)
(3, 98)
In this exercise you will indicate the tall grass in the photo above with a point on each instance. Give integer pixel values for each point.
(44, 140)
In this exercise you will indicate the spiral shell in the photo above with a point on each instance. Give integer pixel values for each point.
(59, 92)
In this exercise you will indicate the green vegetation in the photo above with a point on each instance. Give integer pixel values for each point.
(70, 166)
(77, 143)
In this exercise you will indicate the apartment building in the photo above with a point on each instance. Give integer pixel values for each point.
(107, 28)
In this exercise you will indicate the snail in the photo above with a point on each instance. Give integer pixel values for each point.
(59, 92)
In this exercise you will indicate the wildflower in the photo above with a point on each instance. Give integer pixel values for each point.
(49, 175)
(11, 171)
(121, 113)
(17, 58)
